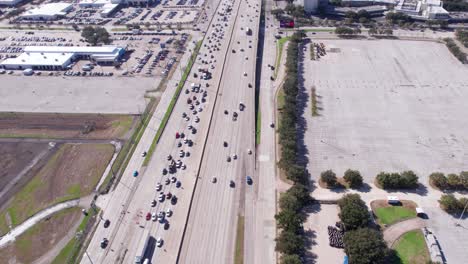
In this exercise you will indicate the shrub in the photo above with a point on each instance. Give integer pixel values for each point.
(353, 178)
(405, 180)
(453, 181)
(464, 179)
(328, 177)
(290, 259)
(353, 212)
(365, 246)
(439, 180)
(450, 204)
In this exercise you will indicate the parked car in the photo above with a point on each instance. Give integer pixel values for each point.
(249, 180)
(135, 173)
(106, 223)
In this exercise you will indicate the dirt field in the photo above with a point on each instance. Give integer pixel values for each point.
(41, 238)
(14, 156)
(72, 172)
(90, 126)
(386, 105)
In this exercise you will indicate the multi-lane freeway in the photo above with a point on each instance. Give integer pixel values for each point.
(218, 147)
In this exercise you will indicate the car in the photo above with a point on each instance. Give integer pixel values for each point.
(148, 216)
(187, 90)
(187, 118)
(232, 184)
(160, 217)
(191, 107)
(106, 223)
(164, 171)
(169, 195)
(182, 135)
(234, 156)
(153, 217)
(249, 151)
(159, 242)
(177, 135)
(249, 180)
(161, 197)
(166, 225)
(225, 144)
(184, 114)
(158, 187)
(245, 73)
(189, 127)
(168, 212)
(173, 179)
(250, 85)
(228, 159)
(272, 125)
(153, 203)
(178, 184)
(167, 181)
(174, 200)
(169, 157)
(214, 180)
(143, 154)
(135, 173)
(104, 242)
(181, 154)
(194, 112)
(179, 144)
(197, 119)
(241, 106)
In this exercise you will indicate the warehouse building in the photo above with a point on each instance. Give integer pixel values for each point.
(59, 58)
(47, 12)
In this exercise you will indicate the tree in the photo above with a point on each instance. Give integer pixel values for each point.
(372, 31)
(439, 180)
(449, 203)
(301, 193)
(464, 179)
(297, 173)
(344, 31)
(298, 11)
(328, 177)
(290, 202)
(453, 181)
(353, 178)
(353, 212)
(290, 8)
(95, 35)
(290, 220)
(365, 246)
(290, 259)
(289, 243)
(409, 179)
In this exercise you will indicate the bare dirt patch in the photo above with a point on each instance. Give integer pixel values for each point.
(72, 172)
(14, 156)
(41, 238)
(83, 126)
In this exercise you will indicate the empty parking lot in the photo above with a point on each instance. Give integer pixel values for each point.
(386, 105)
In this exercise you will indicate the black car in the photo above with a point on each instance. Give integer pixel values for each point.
(106, 223)
(104, 242)
(178, 184)
(166, 225)
(232, 184)
(174, 199)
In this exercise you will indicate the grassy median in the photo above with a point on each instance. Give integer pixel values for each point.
(239, 253)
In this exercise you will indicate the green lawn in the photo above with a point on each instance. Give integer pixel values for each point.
(239, 253)
(411, 248)
(279, 52)
(392, 214)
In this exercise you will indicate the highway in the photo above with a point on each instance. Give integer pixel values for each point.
(126, 207)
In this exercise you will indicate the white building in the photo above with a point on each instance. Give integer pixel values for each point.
(107, 6)
(10, 2)
(50, 11)
(422, 9)
(59, 57)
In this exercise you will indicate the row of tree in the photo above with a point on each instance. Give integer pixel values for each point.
(291, 241)
(352, 177)
(455, 50)
(380, 31)
(404, 180)
(456, 5)
(462, 36)
(347, 31)
(451, 181)
(363, 245)
(452, 205)
(397, 17)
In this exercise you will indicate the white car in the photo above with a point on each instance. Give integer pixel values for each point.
(161, 197)
(153, 203)
(159, 242)
(245, 73)
(197, 119)
(154, 217)
(234, 156)
(168, 212)
(249, 151)
(183, 167)
(158, 186)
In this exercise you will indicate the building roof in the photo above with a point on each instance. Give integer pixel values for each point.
(38, 59)
(74, 49)
(52, 9)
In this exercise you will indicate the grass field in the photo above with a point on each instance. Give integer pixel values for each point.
(42, 237)
(411, 248)
(239, 253)
(279, 52)
(392, 214)
(72, 172)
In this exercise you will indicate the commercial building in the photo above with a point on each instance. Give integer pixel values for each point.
(51, 11)
(422, 9)
(107, 6)
(59, 58)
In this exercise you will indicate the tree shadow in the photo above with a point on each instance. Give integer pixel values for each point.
(309, 256)
(301, 104)
(421, 190)
(365, 188)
